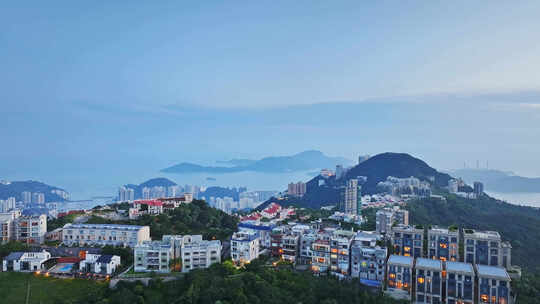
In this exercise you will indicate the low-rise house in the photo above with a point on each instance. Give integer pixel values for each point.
(429, 281)
(25, 261)
(399, 272)
(459, 283)
(305, 253)
(99, 263)
(493, 285)
(55, 235)
(244, 246)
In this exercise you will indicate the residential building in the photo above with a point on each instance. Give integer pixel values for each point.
(151, 207)
(197, 253)
(105, 234)
(429, 281)
(26, 197)
(399, 278)
(38, 198)
(289, 247)
(443, 244)
(263, 229)
(478, 188)
(483, 247)
(7, 205)
(388, 217)
(459, 283)
(305, 252)
(407, 240)
(340, 244)
(126, 194)
(153, 256)
(296, 189)
(31, 229)
(368, 260)
(25, 261)
(493, 285)
(99, 263)
(244, 246)
(320, 260)
(506, 252)
(55, 235)
(351, 197)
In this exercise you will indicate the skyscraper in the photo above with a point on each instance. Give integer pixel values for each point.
(478, 188)
(350, 197)
(26, 197)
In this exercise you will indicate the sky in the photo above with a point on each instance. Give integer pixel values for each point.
(110, 86)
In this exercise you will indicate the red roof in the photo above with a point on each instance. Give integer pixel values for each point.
(252, 217)
(272, 208)
(149, 202)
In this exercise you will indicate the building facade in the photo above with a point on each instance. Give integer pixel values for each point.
(400, 270)
(429, 281)
(31, 229)
(153, 256)
(483, 247)
(25, 261)
(197, 253)
(99, 263)
(443, 244)
(407, 240)
(105, 234)
(459, 283)
(368, 260)
(244, 246)
(493, 285)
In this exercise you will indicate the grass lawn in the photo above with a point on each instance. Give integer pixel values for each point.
(13, 288)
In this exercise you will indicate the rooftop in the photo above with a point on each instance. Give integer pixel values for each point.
(492, 272)
(459, 267)
(428, 263)
(103, 226)
(481, 234)
(14, 256)
(400, 260)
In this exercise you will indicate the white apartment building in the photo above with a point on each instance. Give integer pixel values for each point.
(105, 234)
(25, 261)
(483, 247)
(197, 253)
(100, 263)
(153, 256)
(443, 244)
(31, 229)
(244, 246)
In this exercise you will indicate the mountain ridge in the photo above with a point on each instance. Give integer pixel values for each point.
(307, 160)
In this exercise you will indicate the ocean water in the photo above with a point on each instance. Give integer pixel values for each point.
(518, 198)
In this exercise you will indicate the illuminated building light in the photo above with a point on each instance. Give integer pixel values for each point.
(421, 280)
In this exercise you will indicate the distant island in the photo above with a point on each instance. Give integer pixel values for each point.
(499, 181)
(16, 188)
(307, 160)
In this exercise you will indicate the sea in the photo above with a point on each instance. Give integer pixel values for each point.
(518, 198)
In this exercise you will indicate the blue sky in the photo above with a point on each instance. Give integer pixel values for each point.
(103, 85)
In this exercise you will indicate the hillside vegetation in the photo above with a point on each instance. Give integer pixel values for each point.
(194, 218)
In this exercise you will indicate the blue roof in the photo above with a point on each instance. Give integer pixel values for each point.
(256, 227)
(371, 283)
(14, 256)
(428, 263)
(491, 271)
(459, 267)
(104, 258)
(399, 259)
